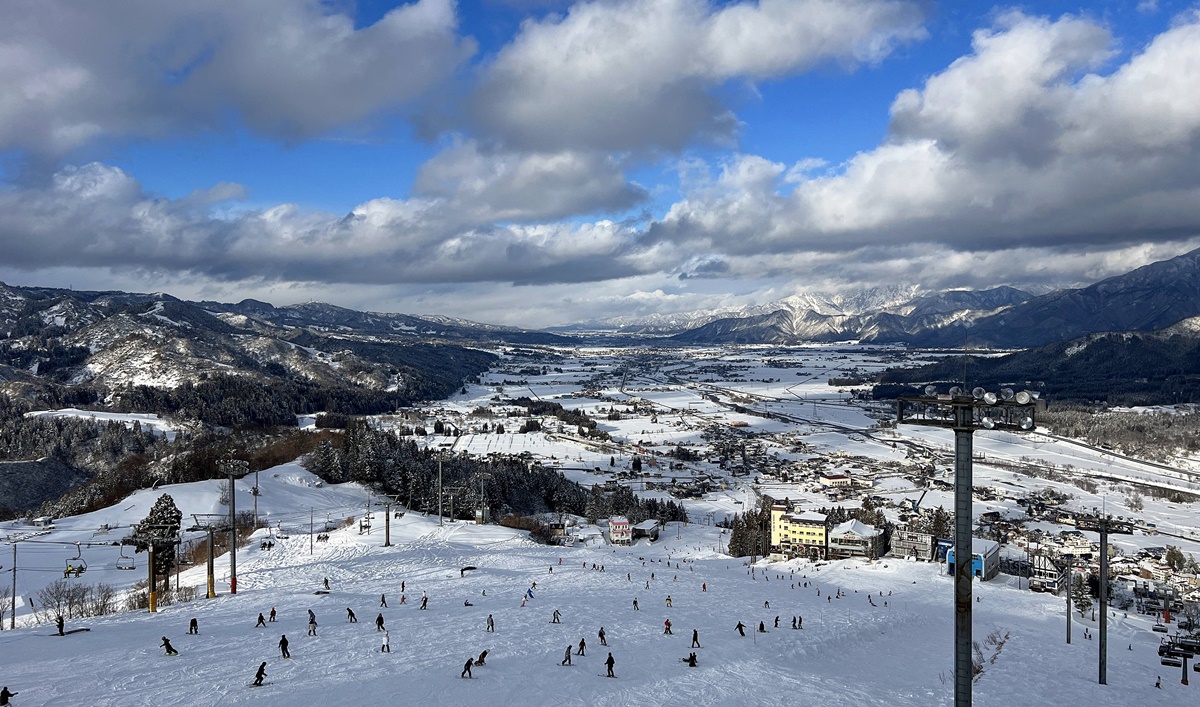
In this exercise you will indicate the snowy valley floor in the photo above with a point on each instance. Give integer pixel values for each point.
(848, 652)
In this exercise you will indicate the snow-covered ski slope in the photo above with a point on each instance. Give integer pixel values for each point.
(848, 653)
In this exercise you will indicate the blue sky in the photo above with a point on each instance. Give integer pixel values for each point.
(541, 162)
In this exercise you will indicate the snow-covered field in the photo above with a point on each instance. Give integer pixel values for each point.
(848, 652)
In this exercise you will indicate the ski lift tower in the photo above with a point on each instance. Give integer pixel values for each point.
(232, 467)
(964, 413)
(211, 523)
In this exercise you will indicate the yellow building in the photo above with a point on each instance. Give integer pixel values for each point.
(797, 533)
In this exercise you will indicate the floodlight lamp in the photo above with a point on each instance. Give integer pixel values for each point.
(1023, 397)
(956, 391)
(987, 423)
(930, 391)
(1027, 423)
(977, 392)
(1006, 393)
(989, 398)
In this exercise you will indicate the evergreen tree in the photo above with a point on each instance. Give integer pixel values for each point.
(1081, 594)
(160, 527)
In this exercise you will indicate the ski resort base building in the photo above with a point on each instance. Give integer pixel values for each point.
(797, 533)
(855, 539)
(619, 531)
(985, 559)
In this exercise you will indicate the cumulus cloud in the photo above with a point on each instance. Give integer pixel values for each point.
(635, 74)
(1019, 144)
(76, 72)
(100, 216)
(510, 186)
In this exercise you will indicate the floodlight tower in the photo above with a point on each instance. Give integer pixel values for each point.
(964, 413)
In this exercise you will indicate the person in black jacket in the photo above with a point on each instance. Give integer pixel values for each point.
(58, 621)
(283, 646)
(5, 695)
(262, 673)
(193, 627)
(466, 671)
(379, 622)
(167, 644)
(610, 663)
(350, 616)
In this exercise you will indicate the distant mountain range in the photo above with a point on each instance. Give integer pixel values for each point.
(1146, 299)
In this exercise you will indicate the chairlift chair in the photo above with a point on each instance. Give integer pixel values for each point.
(75, 565)
(125, 562)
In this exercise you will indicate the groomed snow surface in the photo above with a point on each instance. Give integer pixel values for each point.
(848, 652)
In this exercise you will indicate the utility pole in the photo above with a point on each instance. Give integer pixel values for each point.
(1070, 587)
(310, 530)
(387, 524)
(1104, 601)
(439, 493)
(255, 492)
(152, 597)
(212, 565)
(12, 618)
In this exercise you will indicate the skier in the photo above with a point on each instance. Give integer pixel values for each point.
(311, 616)
(350, 615)
(326, 584)
(401, 586)
(261, 621)
(635, 606)
(466, 671)
(167, 644)
(1158, 682)
(704, 587)
(312, 627)
(610, 663)
(482, 659)
(793, 623)
(766, 605)
(695, 639)
(762, 627)
(529, 593)
(741, 628)
(603, 640)
(272, 614)
(283, 646)
(387, 645)
(690, 660)
(424, 603)
(667, 627)
(193, 627)
(379, 622)
(403, 599)
(582, 645)
(382, 601)
(776, 622)
(262, 673)
(491, 624)
(555, 617)
(668, 601)
(5, 695)
(566, 657)
(58, 621)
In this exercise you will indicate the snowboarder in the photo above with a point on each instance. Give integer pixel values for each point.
(695, 640)
(5, 695)
(668, 601)
(312, 627)
(704, 587)
(776, 622)
(382, 601)
(261, 621)
(609, 664)
(326, 584)
(491, 624)
(379, 622)
(741, 628)
(167, 644)
(603, 640)
(272, 614)
(582, 645)
(482, 659)
(262, 673)
(635, 606)
(1158, 682)
(555, 617)
(566, 657)
(350, 615)
(401, 586)
(283, 646)
(667, 627)
(424, 603)
(466, 671)
(799, 622)
(762, 627)
(193, 627)
(690, 660)
(766, 605)
(387, 645)
(58, 621)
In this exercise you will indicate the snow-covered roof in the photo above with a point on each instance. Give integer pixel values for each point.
(618, 519)
(647, 525)
(854, 527)
(810, 516)
(979, 546)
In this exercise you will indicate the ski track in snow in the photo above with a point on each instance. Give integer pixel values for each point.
(848, 653)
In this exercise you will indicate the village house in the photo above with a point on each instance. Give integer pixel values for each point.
(910, 543)
(619, 531)
(1047, 573)
(855, 539)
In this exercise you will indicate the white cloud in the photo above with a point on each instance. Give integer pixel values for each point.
(76, 72)
(635, 74)
(508, 186)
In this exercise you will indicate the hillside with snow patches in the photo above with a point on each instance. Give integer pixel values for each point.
(891, 649)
